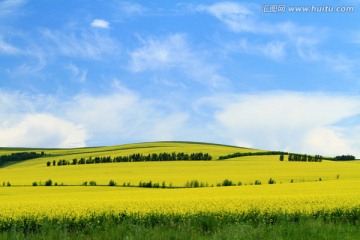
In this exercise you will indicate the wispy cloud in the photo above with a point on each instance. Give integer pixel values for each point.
(100, 23)
(173, 52)
(273, 50)
(7, 48)
(237, 16)
(9, 7)
(78, 74)
(304, 41)
(82, 43)
(131, 8)
(242, 17)
(32, 67)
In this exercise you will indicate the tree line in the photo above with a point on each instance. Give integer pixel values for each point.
(20, 156)
(136, 157)
(344, 158)
(245, 154)
(303, 158)
(317, 158)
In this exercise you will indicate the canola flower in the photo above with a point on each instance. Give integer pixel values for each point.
(332, 199)
(335, 198)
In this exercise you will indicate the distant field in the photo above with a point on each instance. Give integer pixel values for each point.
(243, 169)
(308, 190)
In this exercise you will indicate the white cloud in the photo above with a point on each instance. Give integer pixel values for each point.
(42, 130)
(31, 121)
(317, 123)
(114, 118)
(297, 122)
(100, 23)
(123, 117)
(173, 52)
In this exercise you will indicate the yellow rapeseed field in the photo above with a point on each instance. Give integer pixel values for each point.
(307, 188)
(80, 202)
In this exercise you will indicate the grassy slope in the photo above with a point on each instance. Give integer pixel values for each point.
(245, 169)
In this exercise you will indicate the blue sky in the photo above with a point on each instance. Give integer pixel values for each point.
(90, 73)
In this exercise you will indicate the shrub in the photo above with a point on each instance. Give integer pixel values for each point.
(34, 184)
(112, 183)
(85, 183)
(227, 182)
(92, 183)
(271, 181)
(48, 182)
(8, 184)
(194, 184)
(48, 164)
(146, 184)
(257, 182)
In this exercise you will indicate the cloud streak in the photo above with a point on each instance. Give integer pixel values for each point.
(9, 7)
(80, 44)
(7, 48)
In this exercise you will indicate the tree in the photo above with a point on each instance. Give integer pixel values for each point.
(48, 182)
(112, 183)
(282, 157)
(271, 181)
